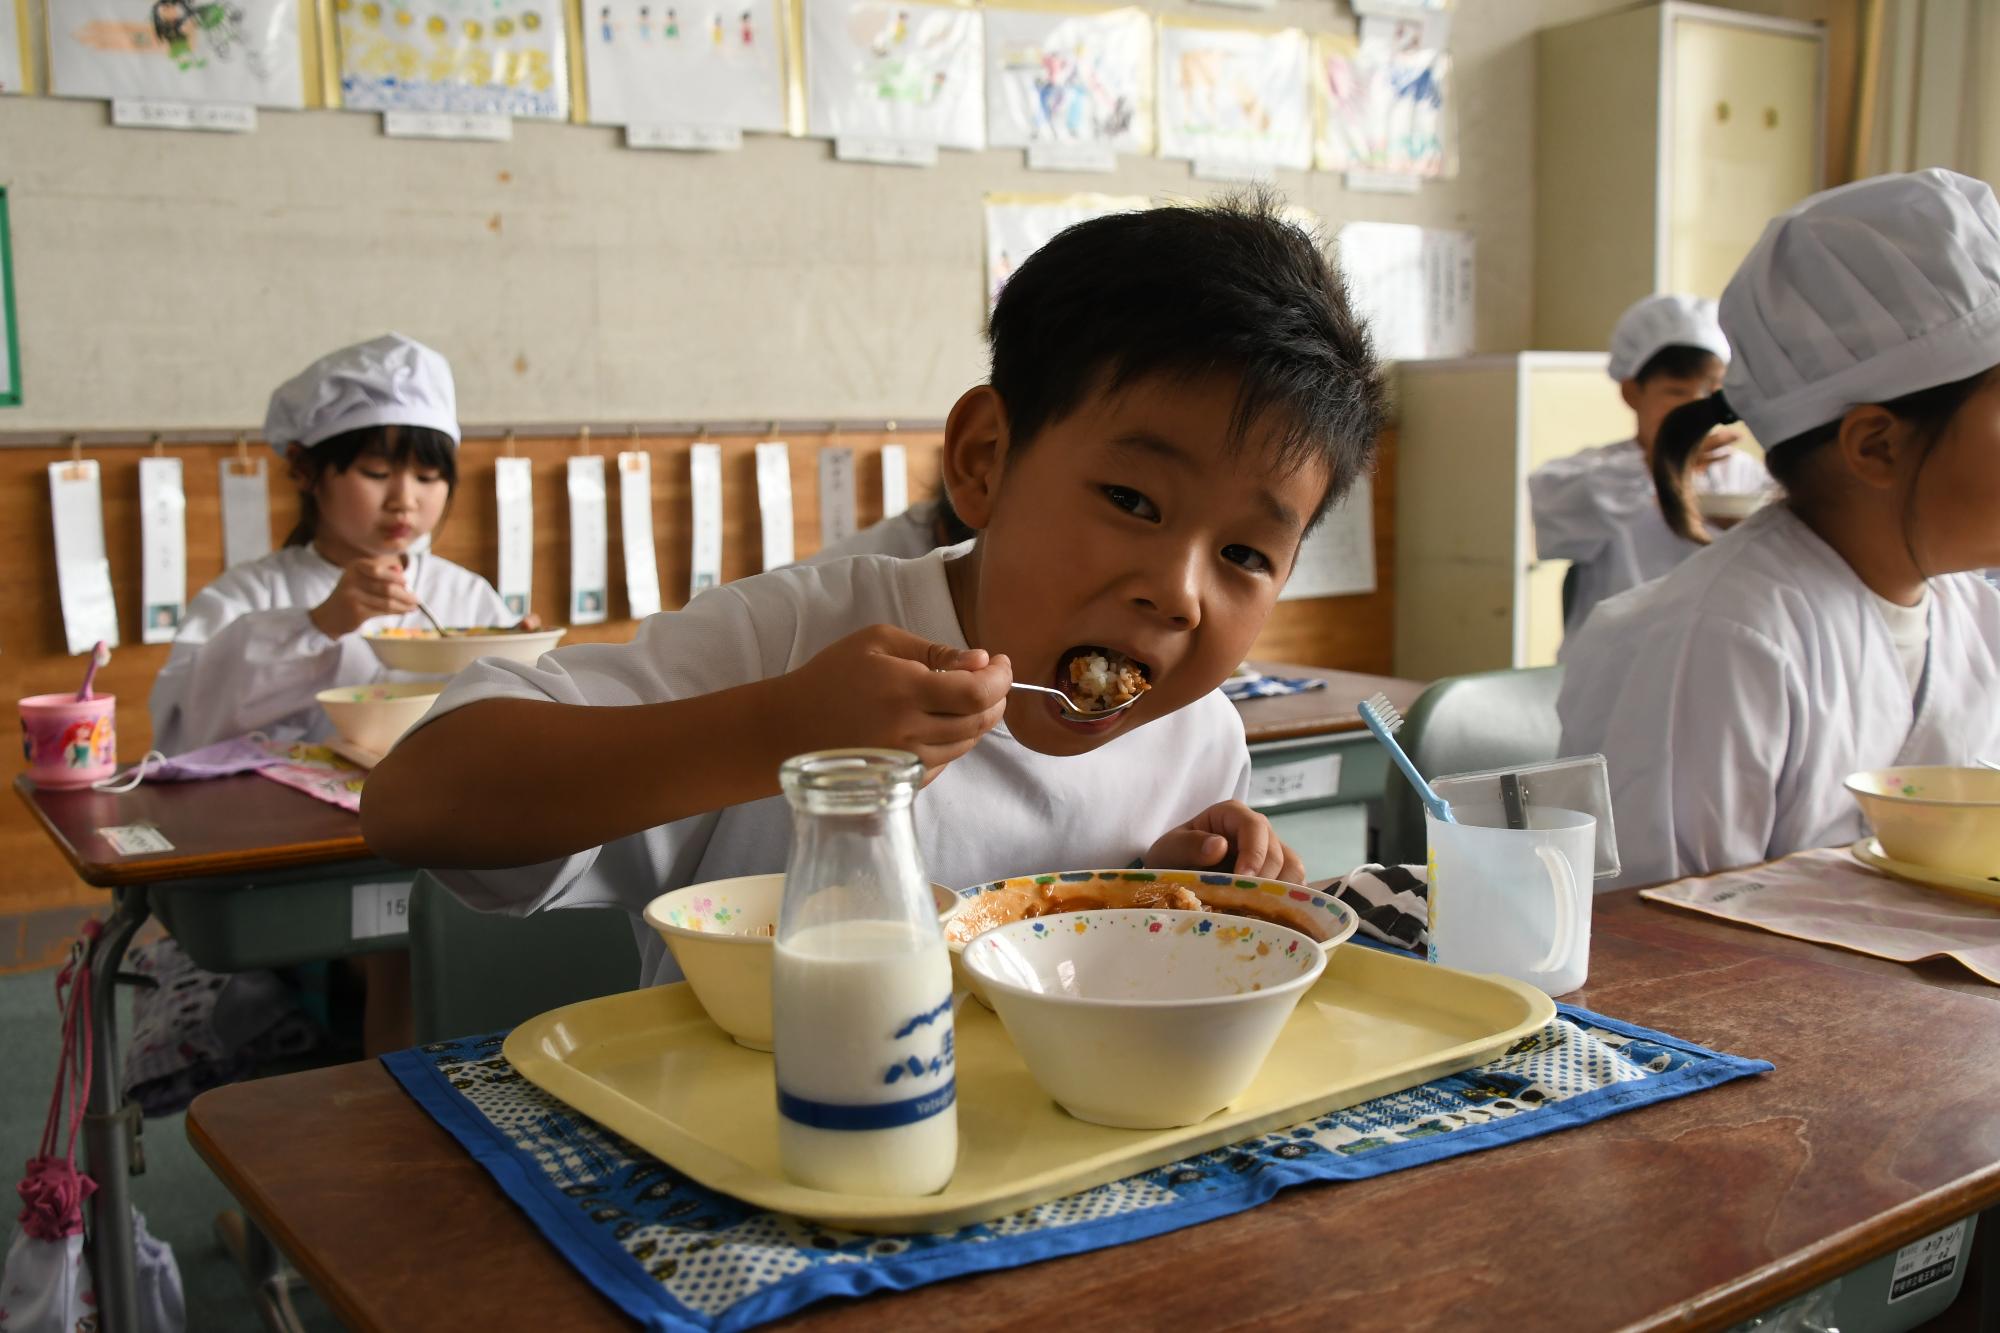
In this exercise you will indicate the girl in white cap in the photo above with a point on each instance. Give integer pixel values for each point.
(371, 436)
(1597, 509)
(1834, 632)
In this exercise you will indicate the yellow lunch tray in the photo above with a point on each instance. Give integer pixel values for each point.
(650, 1066)
(1869, 852)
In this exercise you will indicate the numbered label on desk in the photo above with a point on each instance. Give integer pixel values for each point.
(381, 909)
(135, 839)
(1314, 779)
(1926, 1263)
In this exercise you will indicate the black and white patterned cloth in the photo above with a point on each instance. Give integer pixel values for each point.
(1393, 903)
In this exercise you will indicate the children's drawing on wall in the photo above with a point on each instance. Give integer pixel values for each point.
(1387, 103)
(1055, 77)
(1235, 95)
(503, 57)
(13, 46)
(895, 71)
(244, 51)
(1018, 225)
(716, 65)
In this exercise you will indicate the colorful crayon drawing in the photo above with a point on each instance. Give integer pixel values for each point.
(1235, 95)
(13, 45)
(895, 71)
(243, 51)
(502, 57)
(639, 71)
(1019, 225)
(1069, 78)
(1386, 107)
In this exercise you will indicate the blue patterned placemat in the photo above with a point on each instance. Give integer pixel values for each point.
(677, 1256)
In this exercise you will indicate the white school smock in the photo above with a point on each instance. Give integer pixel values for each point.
(1600, 510)
(1000, 810)
(1733, 697)
(906, 536)
(248, 658)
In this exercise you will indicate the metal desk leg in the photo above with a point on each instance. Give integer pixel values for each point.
(109, 1127)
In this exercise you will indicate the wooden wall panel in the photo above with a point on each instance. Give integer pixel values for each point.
(1348, 632)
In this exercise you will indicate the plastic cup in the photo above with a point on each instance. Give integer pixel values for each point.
(67, 741)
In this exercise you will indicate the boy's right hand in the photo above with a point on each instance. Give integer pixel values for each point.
(370, 587)
(1716, 446)
(886, 687)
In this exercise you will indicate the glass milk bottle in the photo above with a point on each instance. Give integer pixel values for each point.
(861, 986)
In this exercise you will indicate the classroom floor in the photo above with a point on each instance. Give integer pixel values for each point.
(177, 1193)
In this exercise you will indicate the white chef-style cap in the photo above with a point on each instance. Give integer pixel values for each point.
(1861, 295)
(1660, 322)
(386, 381)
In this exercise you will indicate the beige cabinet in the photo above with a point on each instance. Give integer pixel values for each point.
(1470, 594)
(1667, 136)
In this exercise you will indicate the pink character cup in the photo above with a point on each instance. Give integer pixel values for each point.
(67, 741)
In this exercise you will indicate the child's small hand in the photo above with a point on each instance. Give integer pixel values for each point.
(1232, 837)
(1716, 446)
(370, 587)
(884, 686)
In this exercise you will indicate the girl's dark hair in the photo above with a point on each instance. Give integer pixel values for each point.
(414, 446)
(1681, 433)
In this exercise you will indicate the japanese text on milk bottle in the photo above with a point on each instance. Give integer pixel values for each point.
(861, 986)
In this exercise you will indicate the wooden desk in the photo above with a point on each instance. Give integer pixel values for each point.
(228, 826)
(1327, 712)
(1878, 1127)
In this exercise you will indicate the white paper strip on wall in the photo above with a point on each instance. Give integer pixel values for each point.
(246, 511)
(836, 496)
(83, 574)
(163, 549)
(589, 551)
(1339, 558)
(635, 524)
(514, 492)
(895, 480)
(774, 501)
(705, 477)
(1414, 285)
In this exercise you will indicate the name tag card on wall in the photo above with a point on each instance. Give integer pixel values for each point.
(774, 501)
(895, 480)
(589, 551)
(635, 520)
(514, 489)
(836, 496)
(163, 548)
(246, 511)
(705, 477)
(83, 574)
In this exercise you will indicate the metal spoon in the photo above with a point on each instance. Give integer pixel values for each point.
(1988, 763)
(1075, 710)
(443, 633)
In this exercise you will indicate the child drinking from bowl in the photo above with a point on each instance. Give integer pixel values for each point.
(370, 433)
(1176, 397)
(1834, 632)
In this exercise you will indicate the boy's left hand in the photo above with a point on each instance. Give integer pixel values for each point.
(1229, 836)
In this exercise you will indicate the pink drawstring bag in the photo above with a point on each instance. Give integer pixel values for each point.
(45, 1286)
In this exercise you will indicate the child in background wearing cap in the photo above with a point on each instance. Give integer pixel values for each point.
(1835, 632)
(1598, 508)
(371, 435)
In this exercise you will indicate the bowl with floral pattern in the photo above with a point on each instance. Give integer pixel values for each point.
(1144, 1019)
(1936, 816)
(1322, 916)
(720, 933)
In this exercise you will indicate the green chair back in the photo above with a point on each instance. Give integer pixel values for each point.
(1464, 724)
(473, 972)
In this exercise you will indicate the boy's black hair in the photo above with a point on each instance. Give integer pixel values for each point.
(1678, 361)
(1186, 292)
(416, 446)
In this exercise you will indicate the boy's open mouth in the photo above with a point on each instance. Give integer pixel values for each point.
(1099, 679)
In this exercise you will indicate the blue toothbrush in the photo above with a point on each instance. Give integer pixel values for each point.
(1385, 720)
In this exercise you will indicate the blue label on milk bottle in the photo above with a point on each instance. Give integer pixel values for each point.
(924, 1053)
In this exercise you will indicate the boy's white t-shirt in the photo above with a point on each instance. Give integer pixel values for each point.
(1910, 631)
(1000, 810)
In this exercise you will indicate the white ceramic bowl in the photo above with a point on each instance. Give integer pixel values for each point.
(1144, 1020)
(720, 933)
(1938, 817)
(1730, 505)
(374, 717)
(429, 654)
(1321, 915)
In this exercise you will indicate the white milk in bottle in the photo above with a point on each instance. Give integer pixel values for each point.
(861, 986)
